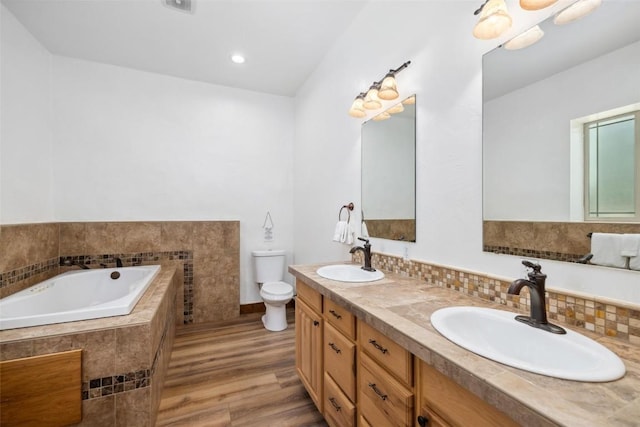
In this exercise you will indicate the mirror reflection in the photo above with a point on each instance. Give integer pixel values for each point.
(561, 143)
(388, 173)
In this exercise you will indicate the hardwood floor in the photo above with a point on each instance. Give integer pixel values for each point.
(235, 373)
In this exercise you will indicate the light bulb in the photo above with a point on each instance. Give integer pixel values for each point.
(388, 88)
(357, 109)
(371, 101)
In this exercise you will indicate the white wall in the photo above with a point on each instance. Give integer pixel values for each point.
(526, 165)
(138, 146)
(446, 75)
(25, 126)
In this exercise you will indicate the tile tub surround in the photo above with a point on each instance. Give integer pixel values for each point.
(124, 358)
(400, 306)
(585, 312)
(210, 251)
(560, 241)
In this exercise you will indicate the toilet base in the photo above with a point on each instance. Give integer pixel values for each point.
(275, 318)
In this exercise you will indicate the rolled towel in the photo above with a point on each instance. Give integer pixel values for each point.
(606, 249)
(630, 245)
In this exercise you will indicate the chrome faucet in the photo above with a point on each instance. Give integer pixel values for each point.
(536, 284)
(366, 251)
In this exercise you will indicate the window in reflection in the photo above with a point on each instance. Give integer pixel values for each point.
(612, 145)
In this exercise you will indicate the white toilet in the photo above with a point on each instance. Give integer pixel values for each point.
(268, 268)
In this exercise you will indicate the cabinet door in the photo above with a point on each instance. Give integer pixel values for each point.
(340, 360)
(309, 350)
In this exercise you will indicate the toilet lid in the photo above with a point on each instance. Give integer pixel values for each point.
(277, 288)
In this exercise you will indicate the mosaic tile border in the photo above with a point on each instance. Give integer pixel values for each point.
(109, 260)
(596, 316)
(532, 253)
(14, 276)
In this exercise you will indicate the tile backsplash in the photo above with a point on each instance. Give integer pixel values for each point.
(208, 250)
(605, 317)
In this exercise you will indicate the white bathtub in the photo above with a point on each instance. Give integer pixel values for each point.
(77, 295)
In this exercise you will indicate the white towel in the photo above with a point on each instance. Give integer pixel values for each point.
(365, 231)
(606, 249)
(350, 233)
(339, 231)
(630, 245)
(634, 263)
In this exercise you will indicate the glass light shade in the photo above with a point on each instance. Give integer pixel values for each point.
(410, 100)
(357, 108)
(388, 89)
(525, 39)
(398, 108)
(382, 116)
(536, 4)
(576, 11)
(371, 101)
(494, 20)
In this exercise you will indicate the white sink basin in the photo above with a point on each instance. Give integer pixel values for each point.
(496, 335)
(349, 273)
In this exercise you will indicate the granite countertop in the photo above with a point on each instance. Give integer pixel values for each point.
(401, 308)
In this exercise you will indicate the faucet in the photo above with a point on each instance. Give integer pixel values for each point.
(535, 283)
(118, 263)
(69, 262)
(366, 251)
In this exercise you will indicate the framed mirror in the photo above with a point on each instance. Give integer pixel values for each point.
(389, 173)
(539, 104)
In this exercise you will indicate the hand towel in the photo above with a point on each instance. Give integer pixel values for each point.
(350, 233)
(606, 249)
(339, 231)
(630, 245)
(365, 231)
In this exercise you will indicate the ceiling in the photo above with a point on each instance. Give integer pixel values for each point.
(283, 41)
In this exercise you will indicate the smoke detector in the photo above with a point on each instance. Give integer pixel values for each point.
(183, 5)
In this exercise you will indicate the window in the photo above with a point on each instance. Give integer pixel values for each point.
(612, 177)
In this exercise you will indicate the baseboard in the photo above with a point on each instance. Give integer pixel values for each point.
(258, 307)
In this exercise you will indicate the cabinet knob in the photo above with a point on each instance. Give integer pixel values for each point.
(316, 323)
(423, 421)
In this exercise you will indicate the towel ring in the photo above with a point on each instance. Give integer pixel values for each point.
(349, 208)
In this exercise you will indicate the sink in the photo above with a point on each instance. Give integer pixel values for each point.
(496, 335)
(349, 273)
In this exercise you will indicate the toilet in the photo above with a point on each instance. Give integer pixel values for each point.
(268, 268)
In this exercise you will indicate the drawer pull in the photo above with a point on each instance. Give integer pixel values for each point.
(378, 392)
(335, 404)
(378, 346)
(316, 323)
(423, 421)
(334, 348)
(336, 315)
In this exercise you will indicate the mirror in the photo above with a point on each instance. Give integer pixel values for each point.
(536, 103)
(389, 174)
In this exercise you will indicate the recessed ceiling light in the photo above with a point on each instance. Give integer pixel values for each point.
(237, 58)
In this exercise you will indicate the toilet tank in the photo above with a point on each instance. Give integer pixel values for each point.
(268, 266)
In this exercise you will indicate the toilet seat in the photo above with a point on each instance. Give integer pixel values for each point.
(276, 290)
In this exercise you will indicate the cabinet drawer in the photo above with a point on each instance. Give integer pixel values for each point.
(338, 409)
(381, 397)
(309, 295)
(386, 352)
(455, 404)
(339, 360)
(341, 318)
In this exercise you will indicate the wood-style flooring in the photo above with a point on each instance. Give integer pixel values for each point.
(235, 373)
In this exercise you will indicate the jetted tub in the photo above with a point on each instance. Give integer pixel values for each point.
(77, 295)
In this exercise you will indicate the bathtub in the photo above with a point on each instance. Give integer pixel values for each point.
(77, 295)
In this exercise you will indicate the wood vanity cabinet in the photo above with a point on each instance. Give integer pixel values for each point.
(309, 338)
(443, 402)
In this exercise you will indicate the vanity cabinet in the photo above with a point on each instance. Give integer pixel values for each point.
(309, 338)
(443, 402)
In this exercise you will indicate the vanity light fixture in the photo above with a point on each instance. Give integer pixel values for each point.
(385, 89)
(576, 11)
(536, 4)
(494, 20)
(357, 108)
(371, 100)
(525, 39)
